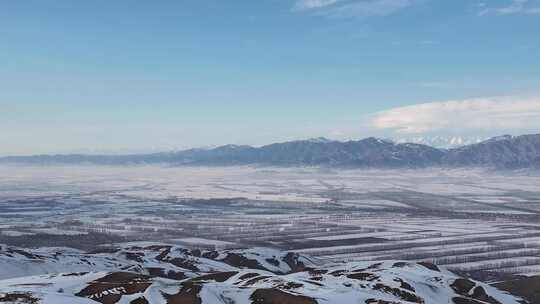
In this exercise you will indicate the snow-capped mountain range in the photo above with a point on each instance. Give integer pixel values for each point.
(503, 152)
(442, 142)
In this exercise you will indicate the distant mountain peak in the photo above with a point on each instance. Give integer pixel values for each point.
(378, 140)
(504, 152)
(500, 138)
(320, 140)
(442, 141)
(232, 147)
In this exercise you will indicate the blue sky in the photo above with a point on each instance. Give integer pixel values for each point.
(140, 75)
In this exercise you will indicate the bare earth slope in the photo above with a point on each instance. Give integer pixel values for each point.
(146, 273)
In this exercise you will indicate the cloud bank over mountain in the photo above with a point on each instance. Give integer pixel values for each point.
(470, 115)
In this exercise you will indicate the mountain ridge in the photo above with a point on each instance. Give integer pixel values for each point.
(502, 152)
(160, 273)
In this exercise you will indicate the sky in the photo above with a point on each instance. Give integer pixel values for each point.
(133, 76)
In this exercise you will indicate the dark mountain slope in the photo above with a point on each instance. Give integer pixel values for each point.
(505, 152)
(500, 152)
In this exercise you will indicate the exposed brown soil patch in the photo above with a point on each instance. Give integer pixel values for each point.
(275, 296)
(18, 298)
(375, 266)
(74, 274)
(188, 294)
(526, 287)
(402, 294)
(217, 277)
(212, 255)
(160, 272)
(374, 301)
(400, 264)
(404, 285)
(27, 255)
(248, 276)
(163, 255)
(102, 250)
(237, 260)
(471, 292)
(316, 272)
(109, 289)
(255, 280)
(462, 286)
(430, 266)
(135, 256)
(338, 273)
(272, 261)
(314, 282)
(290, 285)
(292, 260)
(460, 300)
(184, 263)
(363, 276)
(158, 247)
(141, 300)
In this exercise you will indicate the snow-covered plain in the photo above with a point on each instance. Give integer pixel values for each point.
(353, 215)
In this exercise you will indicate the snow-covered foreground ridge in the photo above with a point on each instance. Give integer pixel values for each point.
(175, 275)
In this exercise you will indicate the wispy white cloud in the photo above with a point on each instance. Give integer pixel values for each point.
(515, 7)
(480, 114)
(313, 4)
(353, 8)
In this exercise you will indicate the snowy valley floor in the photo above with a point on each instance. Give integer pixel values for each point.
(478, 224)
